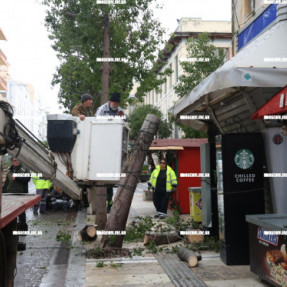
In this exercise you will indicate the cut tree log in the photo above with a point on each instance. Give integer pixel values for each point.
(122, 202)
(160, 238)
(194, 238)
(189, 256)
(88, 233)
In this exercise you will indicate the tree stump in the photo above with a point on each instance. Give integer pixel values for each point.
(88, 233)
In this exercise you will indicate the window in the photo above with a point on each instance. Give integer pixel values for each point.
(251, 5)
(170, 78)
(165, 87)
(176, 68)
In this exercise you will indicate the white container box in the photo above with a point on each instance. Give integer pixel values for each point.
(100, 150)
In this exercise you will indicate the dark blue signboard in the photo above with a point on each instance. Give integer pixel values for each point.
(259, 24)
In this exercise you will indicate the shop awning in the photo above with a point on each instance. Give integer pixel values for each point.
(167, 148)
(276, 105)
(260, 64)
(176, 144)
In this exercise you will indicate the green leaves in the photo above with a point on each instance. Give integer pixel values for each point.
(205, 59)
(76, 29)
(138, 116)
(64, 237)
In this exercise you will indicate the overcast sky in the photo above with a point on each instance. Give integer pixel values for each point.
(29, 52)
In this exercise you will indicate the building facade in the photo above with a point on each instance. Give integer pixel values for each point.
(27, 106)
(4, 69)
(236, 91)
(251, 18)
(220, 37)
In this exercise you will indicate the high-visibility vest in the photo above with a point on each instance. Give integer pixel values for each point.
(170, 178)
(41, 183)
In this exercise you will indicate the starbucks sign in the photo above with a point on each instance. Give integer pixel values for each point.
(244, 158)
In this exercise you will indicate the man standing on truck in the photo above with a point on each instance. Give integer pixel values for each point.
(111, 108)
(84, 109)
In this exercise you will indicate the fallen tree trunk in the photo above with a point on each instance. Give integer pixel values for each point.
(119, 213)
(88, 233)
(189, 256)
(161, 237)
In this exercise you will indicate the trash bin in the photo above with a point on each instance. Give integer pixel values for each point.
(195, 203)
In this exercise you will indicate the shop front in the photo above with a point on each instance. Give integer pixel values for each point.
(232, 94)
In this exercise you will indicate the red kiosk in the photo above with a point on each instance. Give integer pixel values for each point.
(186, 153)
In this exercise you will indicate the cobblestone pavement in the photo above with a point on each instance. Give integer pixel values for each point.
(41, 250)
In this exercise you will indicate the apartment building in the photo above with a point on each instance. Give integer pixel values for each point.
(28, 108)
(220, 36)
(4, 69)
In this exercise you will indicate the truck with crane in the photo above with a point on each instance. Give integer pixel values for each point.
(81, 154)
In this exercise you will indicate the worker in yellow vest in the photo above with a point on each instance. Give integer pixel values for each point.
(163, 181)
(42, 188)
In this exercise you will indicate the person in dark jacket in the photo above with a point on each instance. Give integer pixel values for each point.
(84, 109)
(17, 184)
(163, 181)
(112, 108)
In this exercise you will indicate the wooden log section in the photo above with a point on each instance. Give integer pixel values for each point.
(161, 237)
(122, 202)
(88, 233)
(189, 256)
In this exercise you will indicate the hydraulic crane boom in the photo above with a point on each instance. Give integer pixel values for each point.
(17, 141)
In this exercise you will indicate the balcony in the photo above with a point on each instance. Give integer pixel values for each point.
(3, 84)
(3, 59)
(2, 36)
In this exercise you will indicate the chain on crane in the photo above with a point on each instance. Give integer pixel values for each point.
(10, 134)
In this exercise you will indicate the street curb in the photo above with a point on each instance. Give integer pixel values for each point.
(76, 271)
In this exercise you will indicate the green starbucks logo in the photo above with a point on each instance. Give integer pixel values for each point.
(244, 158)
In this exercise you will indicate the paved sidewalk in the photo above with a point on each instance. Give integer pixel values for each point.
(43, 251)
(137, 271)
(147, 271)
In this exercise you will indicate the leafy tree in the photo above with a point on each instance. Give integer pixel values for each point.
(76, 28)
(196, 71)
(192, 133)
(188, 131)
(138, 116)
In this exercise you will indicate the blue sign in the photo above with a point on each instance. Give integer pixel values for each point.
(257, 26)
(272, 239)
